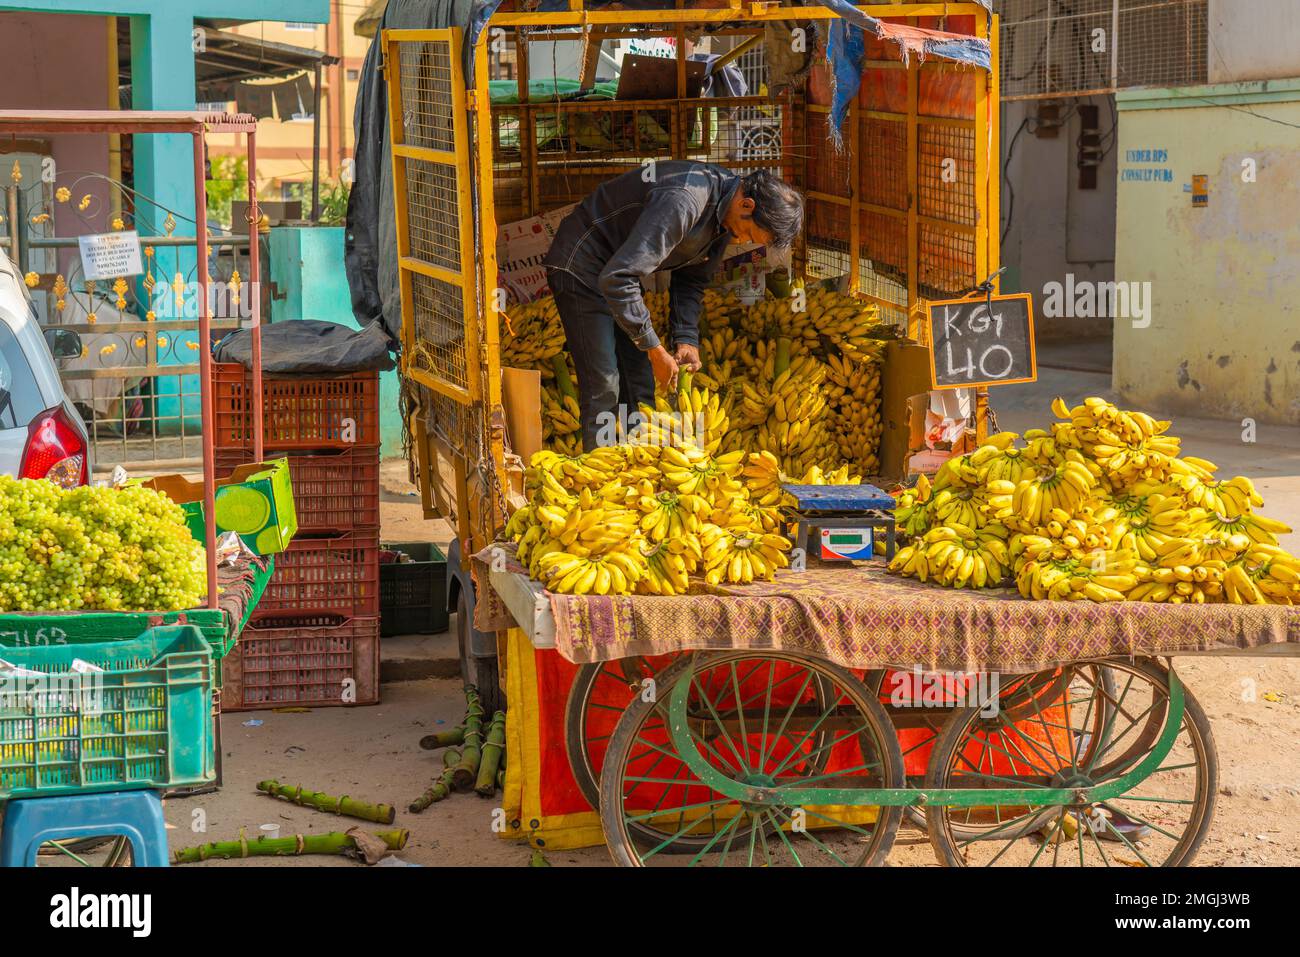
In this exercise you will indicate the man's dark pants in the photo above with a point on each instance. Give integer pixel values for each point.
(611, 370)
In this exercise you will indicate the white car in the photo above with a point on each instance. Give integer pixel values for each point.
(41, 434)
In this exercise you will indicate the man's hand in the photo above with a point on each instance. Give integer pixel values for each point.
(664, 367)
(688, 357)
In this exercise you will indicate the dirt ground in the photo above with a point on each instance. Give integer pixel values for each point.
(373, 753)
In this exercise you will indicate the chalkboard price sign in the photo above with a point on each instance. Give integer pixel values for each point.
(972, 344)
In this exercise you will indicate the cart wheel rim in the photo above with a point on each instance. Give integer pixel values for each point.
(772, 722)
(1168, 772)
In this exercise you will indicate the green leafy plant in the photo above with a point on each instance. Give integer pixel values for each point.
(333, 201)
(229, 181)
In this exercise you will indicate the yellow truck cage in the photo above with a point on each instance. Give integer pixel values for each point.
(913, 191)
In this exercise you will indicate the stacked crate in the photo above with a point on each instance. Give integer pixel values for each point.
(314, 638)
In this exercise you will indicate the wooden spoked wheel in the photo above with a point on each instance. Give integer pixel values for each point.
(764, 723)
(1125, 727)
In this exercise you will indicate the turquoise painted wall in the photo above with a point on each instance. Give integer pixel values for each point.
(309, 282)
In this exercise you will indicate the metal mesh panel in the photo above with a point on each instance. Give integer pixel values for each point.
(946, 173)
(946, 264)
(882, 268)
(547, 155)
(433, 212)
(427, 94)
(510, 182)
(828, 239)
(928, 198)
(882, 162)
(1049, 46)
(435, 199)
(438, 311)
(828, 170)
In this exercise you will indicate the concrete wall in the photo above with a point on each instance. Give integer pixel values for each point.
(1259, 40)
(1055, 228)
(1224, 336)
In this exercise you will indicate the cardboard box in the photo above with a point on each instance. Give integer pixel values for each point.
(255, 501)
(905, 398)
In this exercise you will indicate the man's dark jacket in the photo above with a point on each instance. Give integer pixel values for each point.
(667, 215)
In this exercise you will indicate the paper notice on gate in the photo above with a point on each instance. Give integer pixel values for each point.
(109, 255)
(521, 247)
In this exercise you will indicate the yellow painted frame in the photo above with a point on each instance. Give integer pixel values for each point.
(469, 275)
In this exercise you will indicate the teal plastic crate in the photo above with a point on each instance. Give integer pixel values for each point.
(145, 721)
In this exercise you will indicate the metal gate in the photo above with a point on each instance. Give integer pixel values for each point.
(136, 384)
(452, 395)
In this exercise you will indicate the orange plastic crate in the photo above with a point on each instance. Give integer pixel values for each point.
(325, 576)
(332, 491)
(315, 661)
(305, 414)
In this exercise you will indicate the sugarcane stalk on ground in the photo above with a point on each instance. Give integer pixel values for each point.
(441, 788)
(443, 739)
(490, 761)
(465, 773)
(379, 813)
(333, 843)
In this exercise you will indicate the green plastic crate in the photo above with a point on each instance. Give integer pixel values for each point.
(34, 630)
(144, 722)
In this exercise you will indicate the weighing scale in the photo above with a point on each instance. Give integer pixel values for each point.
(846, 517)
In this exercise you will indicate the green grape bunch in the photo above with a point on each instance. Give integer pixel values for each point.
(100, 549)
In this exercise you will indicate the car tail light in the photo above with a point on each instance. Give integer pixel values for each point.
(55, 450)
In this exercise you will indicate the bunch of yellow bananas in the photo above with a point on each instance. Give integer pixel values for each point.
(851, 324)
(1205, 581)
(1045, 488)
(1126, 445)
(1231, 498)
(533, 334)
(1101, 507)
(816, 475)
(911, 515)
(575, 472)
(1152, 515)
(1048, 571)
(692, 471)
(700, 419)
(763, 476)
(1273, 571)
(642, 463)
(956, 556)
(667, 515)
(613, 572)
(669, 565)
(780, 317)
(1236, 533)
(741, 557)
(853, 393)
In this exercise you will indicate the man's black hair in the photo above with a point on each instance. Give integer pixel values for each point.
(778, 206)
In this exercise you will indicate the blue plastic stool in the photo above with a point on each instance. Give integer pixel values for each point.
(135, 815)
